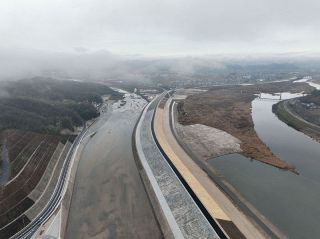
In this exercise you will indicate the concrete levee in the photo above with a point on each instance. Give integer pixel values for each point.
(153, 197)
(66, 201)
(177, 213)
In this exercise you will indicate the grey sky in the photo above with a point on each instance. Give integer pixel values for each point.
(162, 27)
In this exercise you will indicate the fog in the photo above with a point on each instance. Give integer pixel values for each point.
(162, 27)
(97, 65)
(131, 39)
(106, 66)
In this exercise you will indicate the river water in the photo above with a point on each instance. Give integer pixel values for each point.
(289, 201)
(109, 199)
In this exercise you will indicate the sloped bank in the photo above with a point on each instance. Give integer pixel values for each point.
(178, 214)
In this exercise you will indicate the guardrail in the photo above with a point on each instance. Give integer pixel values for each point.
(55, 200)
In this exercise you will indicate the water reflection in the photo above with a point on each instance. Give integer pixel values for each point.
(289, 201)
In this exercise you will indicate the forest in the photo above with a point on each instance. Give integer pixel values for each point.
(48, 105)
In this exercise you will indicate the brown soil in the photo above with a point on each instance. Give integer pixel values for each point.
(14, 200)
(229, 108)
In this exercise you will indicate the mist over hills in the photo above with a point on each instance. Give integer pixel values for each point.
(49, 105)
(105, 66)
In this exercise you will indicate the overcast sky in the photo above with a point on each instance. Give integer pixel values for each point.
(162, 27)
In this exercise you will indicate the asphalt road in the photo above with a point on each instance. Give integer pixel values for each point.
(109, 200)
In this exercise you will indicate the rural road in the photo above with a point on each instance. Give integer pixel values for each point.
(109, 199)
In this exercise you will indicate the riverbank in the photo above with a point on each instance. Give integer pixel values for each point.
(233, 221)
(285, 111)
(228, 108)
(286, 200)
(289, 201)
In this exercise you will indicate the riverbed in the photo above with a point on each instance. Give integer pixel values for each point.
(109, 199)
(289, 201)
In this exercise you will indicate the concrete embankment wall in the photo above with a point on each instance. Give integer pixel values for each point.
(66, 201)
(153, 192)
(153, 197)
(178, 214)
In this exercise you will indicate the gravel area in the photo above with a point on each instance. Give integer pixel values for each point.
(208, 142)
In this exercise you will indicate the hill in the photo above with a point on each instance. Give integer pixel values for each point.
(48, 105)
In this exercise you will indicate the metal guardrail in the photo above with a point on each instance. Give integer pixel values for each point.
(57, 196)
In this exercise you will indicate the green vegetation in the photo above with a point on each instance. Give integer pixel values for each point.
(49, 105)
(46, 106)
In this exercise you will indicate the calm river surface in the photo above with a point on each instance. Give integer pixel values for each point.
(289, 201)
(109, 199)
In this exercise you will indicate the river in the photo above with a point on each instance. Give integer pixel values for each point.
(109, 199)
(289, 201)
